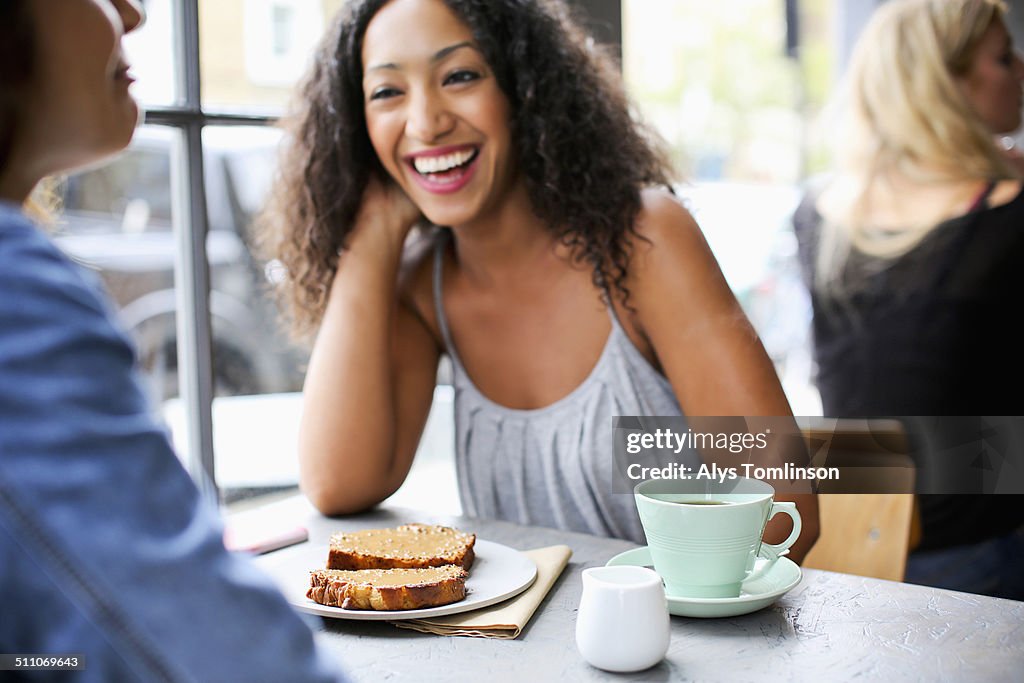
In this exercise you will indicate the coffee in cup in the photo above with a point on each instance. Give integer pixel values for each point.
(705, 535)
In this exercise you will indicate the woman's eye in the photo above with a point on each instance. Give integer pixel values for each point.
(461, 76)
(384, 93)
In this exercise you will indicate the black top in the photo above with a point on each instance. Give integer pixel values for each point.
(931, 333)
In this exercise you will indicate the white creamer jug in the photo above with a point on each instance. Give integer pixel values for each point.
(623, 622)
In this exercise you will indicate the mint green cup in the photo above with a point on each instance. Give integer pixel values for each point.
(705, 535)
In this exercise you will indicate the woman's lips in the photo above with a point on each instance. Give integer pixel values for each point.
(448, 180)
(123, 76)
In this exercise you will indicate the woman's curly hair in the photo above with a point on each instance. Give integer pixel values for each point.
(583, 156)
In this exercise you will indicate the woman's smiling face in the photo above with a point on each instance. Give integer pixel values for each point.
(435, 115)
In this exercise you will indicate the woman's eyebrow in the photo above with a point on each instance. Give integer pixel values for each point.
(444, 52)
(437, 57)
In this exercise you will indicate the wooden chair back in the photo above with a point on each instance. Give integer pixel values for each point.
(867, 534)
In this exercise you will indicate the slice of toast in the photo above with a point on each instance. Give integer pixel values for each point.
(388, 589)
(407, 546)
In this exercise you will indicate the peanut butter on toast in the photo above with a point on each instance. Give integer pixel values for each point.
(407, 546)
(388, 589)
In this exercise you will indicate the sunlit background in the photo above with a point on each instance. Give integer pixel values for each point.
(734, 88)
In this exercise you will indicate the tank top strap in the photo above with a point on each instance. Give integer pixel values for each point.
(980, 202)
(618, 328)
(438, 282)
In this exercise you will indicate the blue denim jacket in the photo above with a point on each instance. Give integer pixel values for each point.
(106, 548)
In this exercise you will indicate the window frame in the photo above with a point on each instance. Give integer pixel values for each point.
(191, 269)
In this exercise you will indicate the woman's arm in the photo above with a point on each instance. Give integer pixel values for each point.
(700, 335)
(372, 372)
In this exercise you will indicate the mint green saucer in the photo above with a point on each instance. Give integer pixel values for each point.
(754, 595)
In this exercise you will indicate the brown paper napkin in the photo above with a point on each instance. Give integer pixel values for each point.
(506, 619)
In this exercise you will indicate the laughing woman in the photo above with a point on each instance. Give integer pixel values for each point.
(566, 285)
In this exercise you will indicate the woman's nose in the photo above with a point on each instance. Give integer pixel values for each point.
(131, 12)
(428, 118)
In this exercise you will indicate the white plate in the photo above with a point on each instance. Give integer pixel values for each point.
(498, 573)
(754, 595)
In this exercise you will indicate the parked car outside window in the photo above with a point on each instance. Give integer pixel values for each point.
(116, 220)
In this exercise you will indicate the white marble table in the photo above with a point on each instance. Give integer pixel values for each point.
(831, 627)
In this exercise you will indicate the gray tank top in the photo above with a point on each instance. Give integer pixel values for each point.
(552, 466)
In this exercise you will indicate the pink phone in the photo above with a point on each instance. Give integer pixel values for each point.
(264, 538)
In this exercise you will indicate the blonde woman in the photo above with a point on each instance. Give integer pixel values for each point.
(913, 252)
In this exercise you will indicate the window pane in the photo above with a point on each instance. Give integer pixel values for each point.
(254, 51)
(149, 51)
(252, 354)
(117, 221)
(257, 371)
(715, 81)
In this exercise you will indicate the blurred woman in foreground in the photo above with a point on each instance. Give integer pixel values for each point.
(107, 551)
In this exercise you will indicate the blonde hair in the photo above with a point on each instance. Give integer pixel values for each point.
(44, 203)
(902, 114)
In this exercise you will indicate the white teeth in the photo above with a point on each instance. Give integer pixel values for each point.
(442, 163)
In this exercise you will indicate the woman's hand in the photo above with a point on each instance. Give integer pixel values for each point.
(386, 212)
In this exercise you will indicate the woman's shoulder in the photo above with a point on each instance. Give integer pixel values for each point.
(14, 224)
(670, 254)
(664, 218)
(24, 247)
(1007, 192)
(668, 235)
(45, 293)
(998, 228)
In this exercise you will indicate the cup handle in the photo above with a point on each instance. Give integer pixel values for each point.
(771, 552)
